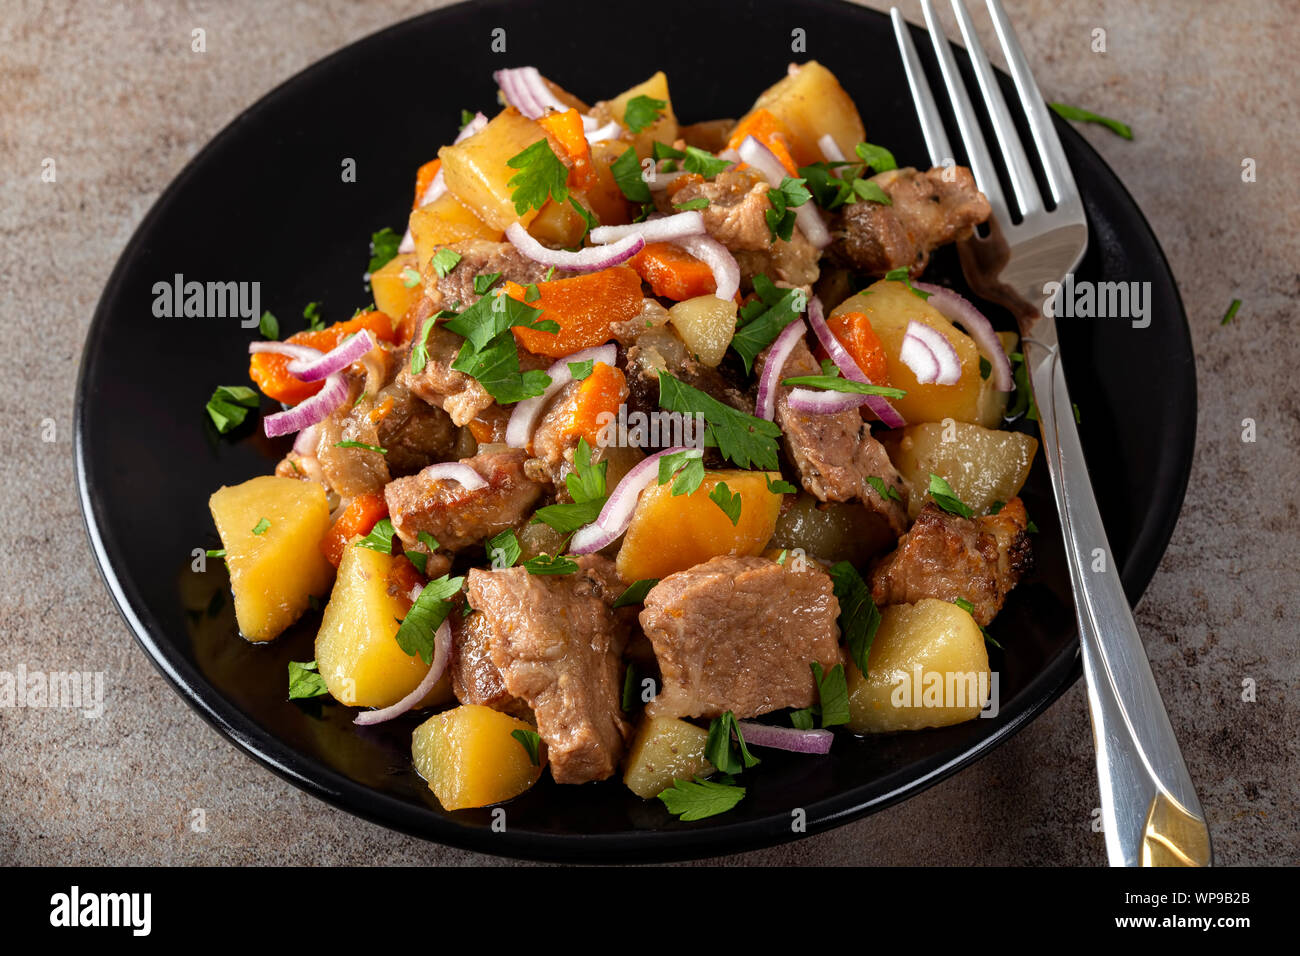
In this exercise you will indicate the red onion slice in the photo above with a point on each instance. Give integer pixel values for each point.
(611, 130)
(879, 406)
(456, 471)
(786, 738)
(661, 229)
(336, 359)
(305, 443)
(309, 411)
(591, 259)
(617, 513)
(830, 149)
(441, 652)
(960, 311)
(768, 382)
(806, 217)
(930, 356)
(723, 265)
(297, 353)
(661, 181)
(523, 418)
(526, 91)
(818, 401)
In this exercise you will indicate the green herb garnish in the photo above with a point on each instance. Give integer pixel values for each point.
(859, 616)
(748, 441)
(229, 406)
(261, 527)
(305, 681)
(947, 499)
(383, 248)
(729, 503)
(627, 174)
(541, 175)
(531, 741)
(697, 799)
(415, 635)
(1080, 115)
(636, 592)
(642, 111)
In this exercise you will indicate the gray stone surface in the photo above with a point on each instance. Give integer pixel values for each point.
(114, 94)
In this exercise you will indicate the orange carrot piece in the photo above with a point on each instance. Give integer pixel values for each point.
(584, 307)
(604, 390)
(672, 272)
(769, 131)
(359, 518)
(423, 177)
(566, 128)
(854, 331)
(271, 374)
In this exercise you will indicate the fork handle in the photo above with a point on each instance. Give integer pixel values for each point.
(1150, 813)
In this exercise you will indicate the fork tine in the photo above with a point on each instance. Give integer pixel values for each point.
(1013, 154)
(936, 139)
(981, 163)
(1059, 178)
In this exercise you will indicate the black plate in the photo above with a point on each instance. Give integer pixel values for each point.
(265, 201)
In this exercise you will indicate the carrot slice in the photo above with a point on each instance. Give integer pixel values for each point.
(769, 131)
(359, 518)
(604, 390)
(423, 177)
(672, 272)
(854, 331)
(566, 128)
(271, 373)
(584, 307)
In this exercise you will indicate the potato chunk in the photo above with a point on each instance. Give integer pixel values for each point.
(811, 103)
(356, 647)
(706, 324)
(665, 749)
(981, 465)
(664, 129)
(477, 173)
(442, 222)
(271, 529)
(927, 668)
(470, 759)
(393, 295)
(670, 533)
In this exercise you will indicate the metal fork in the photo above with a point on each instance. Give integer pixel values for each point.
(1150, 813)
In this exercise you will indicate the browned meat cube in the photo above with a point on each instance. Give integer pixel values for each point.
(481, 257)
(474, 678)
(558, 647)
(740, 634)
(946, 556)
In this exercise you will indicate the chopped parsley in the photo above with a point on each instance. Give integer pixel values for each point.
(642, 111)
(780, 486)
(802, 719)
(380, 537)
(532, 293)
(484, 282)
(699, 202)
(761, 320)
(541, 175)
(722, 496)
(503, 550)
(902, 275)
(697, 799)
(969, 608)
(947, 499)
(589, 219)
(876, 157)
(444, 260)
(627, 174)
(718, 749)
(636, 592)
(383, 248)
(885, 491)
(361, 444)
(785, 199)
(859, 616)
(490, 354)
(580, 370)
(837, 383)
(870, 191)
(216, 552)
(629, 686)
(586, 484)
(305, 681)
(466, 117)
(416, 633)
(663, 151)
(229, 406)
(703, 163)
(832, 695)
(548, 564)
(410, 277)
(311, 312)
(828, 190)
(261, 527)
(1080, 115)
(1231, 313)
(531, 741)
(269, 326)
(420, 346)
(687, 465)
(747, 441)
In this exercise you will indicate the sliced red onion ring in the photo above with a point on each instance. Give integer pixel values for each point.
(818, 401)
(960, 311)
(441, 651)
(611, 130)
(930, 356)
(879, 406)
(786, 738)
(830, 149)
(765, 406)
(526, 91)
(591, 259)
(336, 359)
(523, 418)
(661, 229)
(309, 411)
(305, 443)
(617, 513)
(298, 353)
(661, 181)
(456, 471)
(723, 265)
(806, 217)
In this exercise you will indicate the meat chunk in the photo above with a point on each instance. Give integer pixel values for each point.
(739, 634)
(928, 211)
(413, 432)
(558, 646)
(662, 350)
(835, 454)
(792, 264)
(351, 470)
(481, 257)
(737, 209)
(474, 678)
(947, 557)
(456, 516)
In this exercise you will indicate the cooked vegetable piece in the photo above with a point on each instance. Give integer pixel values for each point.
(854, 332)
(477, 171)
(670, 533)
(271, 372)
(665, 749)
(565, 129)
(356, 648)
(771, 132)
(424, 179)
(673, 272)
(811, 103)
(584, 306)
(559, 225)
(274, 572)
(706, 324)
(981, 465)
(597, 397)
(470, 757)
(397, 286)
(358, 518)
(840, 531)
(442, 222)
(662, 130)
(946, 644)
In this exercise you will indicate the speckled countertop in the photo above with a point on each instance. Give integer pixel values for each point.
(112, 92)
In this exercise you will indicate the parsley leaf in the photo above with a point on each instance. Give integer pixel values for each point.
(885, 491)
(729, 503)
(1087, 116)
(444, 260)
(642, 111)
(311, 312)
(969, 608)
(420, 346)
(503, 549)
(871, 192)
(837, 383)
(697, 799)
(588, 217)
(780, 486)
(229, 406)
(876, 157)
(380, 537)
(828, 190)
(490, 354)
(261, 527)
(762, 320)
(580, 370)
(699, 202)
(383, 248)
(305, 681)
(548, 564)
(832, 694)
(484, 282)
(687, 465)
(629, 686)
(1231, 313)
(269, 326)
(627, 174)
(410, 277)
(902, 275)
(663, 151)
(785, 199)
(718, 749)
(946, 498)
(586, 483)
(531, 741)
(361, 444)
(541, 175)
(416, 633)
(746, 440)
(859, 616)
(703, 162)
(802, 719)
(636, 592)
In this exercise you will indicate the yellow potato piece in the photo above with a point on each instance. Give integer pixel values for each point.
(927, 668)
(477, 173)
(442, 222)
(470, 759)
(670, 533)
(664, 129)
(890, 306)
(665, 749)
(811, 103)
(706, 324)
(356, 647)
(272, 574)
(981, 465)
(392, 295)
